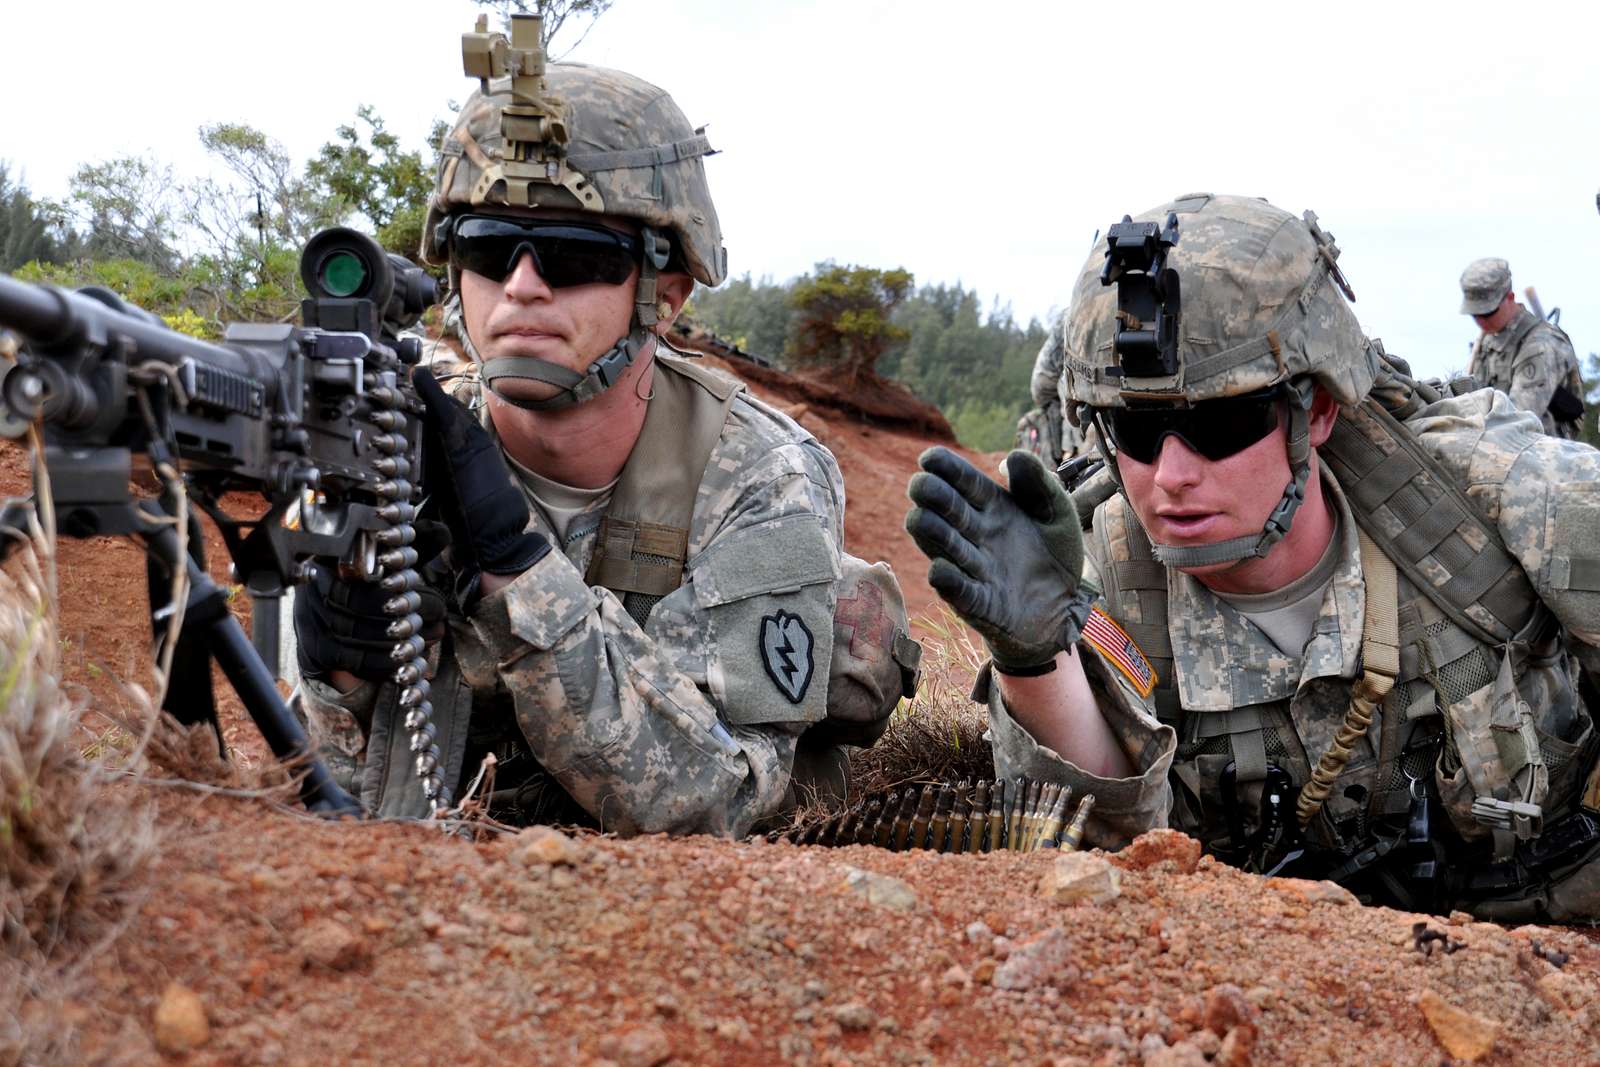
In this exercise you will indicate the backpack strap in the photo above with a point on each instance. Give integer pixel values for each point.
(643, 540)
(1422, 519)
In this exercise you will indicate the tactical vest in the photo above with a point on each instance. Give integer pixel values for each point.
(643, 541)
(1470, 626)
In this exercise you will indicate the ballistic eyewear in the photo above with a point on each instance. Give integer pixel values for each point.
(1216, 429)
(564, 253)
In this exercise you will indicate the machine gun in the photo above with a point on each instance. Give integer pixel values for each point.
(319, 418)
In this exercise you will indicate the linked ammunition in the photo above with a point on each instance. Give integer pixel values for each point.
(902, 821)
(1013, 814)
(997, 816)
(982, 820)
(958, 819)
(1048, 838)
(1030, 816)
(1080, 819)
(919, 821)
(941, 817)
(869, 822)
(883, 833)
(1018, 815)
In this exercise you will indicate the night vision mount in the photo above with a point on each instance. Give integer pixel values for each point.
(1148, 303)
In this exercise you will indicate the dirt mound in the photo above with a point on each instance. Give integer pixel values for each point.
(313, 943)
(876, 401)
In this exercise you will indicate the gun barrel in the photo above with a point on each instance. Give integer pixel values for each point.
(51, 317)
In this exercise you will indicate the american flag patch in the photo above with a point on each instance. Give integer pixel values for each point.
(1113, 642)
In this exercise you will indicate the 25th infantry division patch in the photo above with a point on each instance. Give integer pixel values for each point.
(786, 654)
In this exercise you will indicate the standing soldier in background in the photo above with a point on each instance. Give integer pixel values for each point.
(1331, 621)
(1043, 431)
(1522, 355)
(635, 610)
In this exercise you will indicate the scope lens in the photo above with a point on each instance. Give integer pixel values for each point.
(343, 274)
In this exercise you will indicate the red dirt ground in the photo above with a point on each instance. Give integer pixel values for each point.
(304, 942)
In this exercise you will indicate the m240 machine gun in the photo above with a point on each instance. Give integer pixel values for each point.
(319, 418)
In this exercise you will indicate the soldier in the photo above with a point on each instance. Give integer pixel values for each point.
(644, 562)
(1043, 430)
(1522, 355)
(1332, 622)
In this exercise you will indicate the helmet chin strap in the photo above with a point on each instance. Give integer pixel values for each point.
(603, 373)
(1251, 546)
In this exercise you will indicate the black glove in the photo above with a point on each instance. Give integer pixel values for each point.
(1009, 563)
(340, 625)
(468, 482)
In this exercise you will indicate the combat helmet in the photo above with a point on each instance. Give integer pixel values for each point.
(1216, 296)
(574, 136)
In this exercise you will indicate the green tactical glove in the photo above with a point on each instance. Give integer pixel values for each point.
(1008, 562)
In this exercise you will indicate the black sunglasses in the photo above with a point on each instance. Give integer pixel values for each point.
(564, 253)
(1216, 429)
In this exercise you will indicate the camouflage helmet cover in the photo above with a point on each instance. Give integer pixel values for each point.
(628, 152)
(1261, 304)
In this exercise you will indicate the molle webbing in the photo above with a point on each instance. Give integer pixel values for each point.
(1142, 579)
(643, 541)
(1425, 523)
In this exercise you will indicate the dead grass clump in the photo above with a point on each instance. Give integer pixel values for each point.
(66, 853)
(938, 737)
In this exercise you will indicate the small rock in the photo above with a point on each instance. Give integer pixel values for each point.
(637, 1046)
(180, 1021)
(1309, 892)
(983, 971)
(1081, 876)
(1235, 1050)
(1045, 960)
(855, 1016)
(545, 846)
(956, 976)
(1227, 1009)
(1159, 846)
(330, 944)
(880, 890)
(980, 936)
(1464, 1035)
(1564, 991)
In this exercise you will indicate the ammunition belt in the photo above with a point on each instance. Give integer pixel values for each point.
(1019, 815)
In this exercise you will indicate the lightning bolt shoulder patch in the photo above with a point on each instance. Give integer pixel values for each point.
(786, 653)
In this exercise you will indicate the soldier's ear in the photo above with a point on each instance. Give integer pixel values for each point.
(1324, 410)
(672, 292)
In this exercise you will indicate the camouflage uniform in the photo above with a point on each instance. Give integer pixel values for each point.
(1528, 358)
(678, 707)
(1059, 439)
(1529, 372)
(678, 726)
(1233, 697)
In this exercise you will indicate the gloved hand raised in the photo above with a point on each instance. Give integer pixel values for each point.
(1008, 562)
(466, 476)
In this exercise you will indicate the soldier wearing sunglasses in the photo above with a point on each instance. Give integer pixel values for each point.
(1331, 621)
(639, 564)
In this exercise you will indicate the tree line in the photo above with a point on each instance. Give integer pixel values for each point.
(203, 252)
(938, 340)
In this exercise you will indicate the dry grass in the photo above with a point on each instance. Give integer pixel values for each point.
(937, 737)
(67, 851)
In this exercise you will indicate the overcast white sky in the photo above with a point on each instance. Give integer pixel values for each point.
(980, 143)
